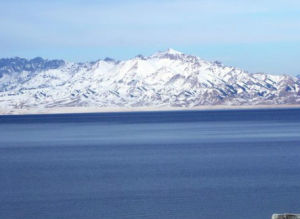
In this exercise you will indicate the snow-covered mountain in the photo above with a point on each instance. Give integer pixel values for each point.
(168, 78)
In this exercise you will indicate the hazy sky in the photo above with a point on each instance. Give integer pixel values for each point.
(256, 35)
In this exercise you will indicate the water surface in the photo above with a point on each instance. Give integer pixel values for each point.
(168, 165)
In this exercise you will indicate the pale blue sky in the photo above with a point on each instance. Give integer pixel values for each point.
(256, 35)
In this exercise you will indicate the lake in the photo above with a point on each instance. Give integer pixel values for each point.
(227, 164)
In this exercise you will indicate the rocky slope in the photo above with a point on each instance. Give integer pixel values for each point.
(168, 78)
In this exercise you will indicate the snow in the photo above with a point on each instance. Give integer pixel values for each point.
(173, 52)
(168, 78)
(169, 51)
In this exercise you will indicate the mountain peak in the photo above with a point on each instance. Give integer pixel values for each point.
(17, 64)
(167, 78)
(167, 53)
(172, 51)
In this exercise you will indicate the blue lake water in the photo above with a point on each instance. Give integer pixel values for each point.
(155, 165)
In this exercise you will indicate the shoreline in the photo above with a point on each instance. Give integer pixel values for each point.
(81, 110)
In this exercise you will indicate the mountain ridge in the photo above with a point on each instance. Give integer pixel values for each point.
(165, 79)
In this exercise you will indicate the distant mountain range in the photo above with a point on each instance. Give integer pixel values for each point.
(165, 79)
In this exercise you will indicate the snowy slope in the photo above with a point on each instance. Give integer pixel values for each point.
(168, 78)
